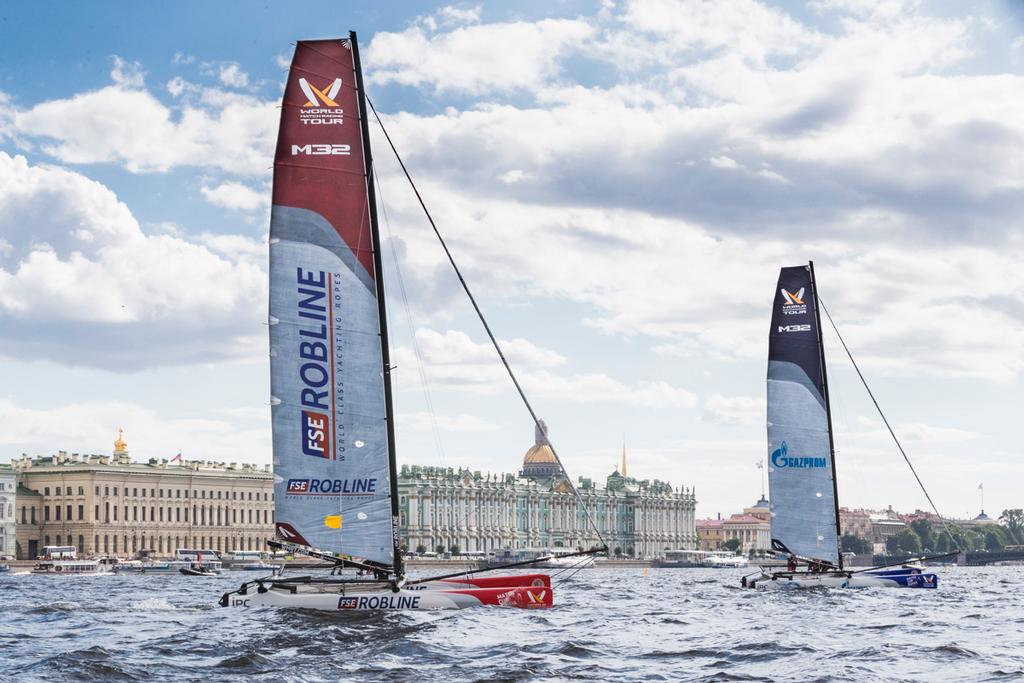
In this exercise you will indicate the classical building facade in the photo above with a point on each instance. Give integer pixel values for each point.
(8, 530)
(709, 534)
(855, 522)
(109, 505)
(753, 533)
(752, 528)
(537, 509)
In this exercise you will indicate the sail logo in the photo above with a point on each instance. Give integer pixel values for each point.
(379, 602)
(794, 328)
(317, 150)
(331, 487)
(326, 95)
(315, 369)
(793, 303)
(320, 108)
(315, 428)
(781, 460)
(791, 298)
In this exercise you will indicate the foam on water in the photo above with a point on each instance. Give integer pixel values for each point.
(152, 605)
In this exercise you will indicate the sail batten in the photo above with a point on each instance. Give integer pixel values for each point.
(333, 458)
(801, 468)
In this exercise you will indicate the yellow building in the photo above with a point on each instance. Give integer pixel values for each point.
(109, 505)
(709, 534)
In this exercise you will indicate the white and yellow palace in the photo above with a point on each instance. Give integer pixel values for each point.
(537, 509)
(109, 505)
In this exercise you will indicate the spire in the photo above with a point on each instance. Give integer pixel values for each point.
(540, 434)
(624, 473)
(120, 446)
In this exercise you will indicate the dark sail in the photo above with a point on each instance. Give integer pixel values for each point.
(801, 472)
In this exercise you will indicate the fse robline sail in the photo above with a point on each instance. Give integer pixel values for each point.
(332, 479)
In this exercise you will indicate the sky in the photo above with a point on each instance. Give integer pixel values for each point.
(620, 182)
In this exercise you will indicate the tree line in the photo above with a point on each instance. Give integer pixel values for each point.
(921, 536)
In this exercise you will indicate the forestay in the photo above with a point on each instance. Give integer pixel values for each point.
(801, 468)
(332, 480)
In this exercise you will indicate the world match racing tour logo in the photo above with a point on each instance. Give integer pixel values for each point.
(781, 460)
(320, 108)
(793, 303)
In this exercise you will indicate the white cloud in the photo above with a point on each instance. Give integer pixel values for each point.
(456, 16)
(92, 427)
(237, 196)
(126, 124)
(232, 75)
(666, 204)
(747, 28)
(127, 74)
(425, 422)
(80, 263)
(182, 58)
(475, 59)
(734, 410)
(452, 361)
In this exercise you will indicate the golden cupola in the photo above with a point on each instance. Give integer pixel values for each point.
(540, 461)
(120, 446)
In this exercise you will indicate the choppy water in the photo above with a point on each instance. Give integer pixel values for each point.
(608, 624)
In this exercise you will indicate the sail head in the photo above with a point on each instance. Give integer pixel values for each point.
(801, 468)
(332, 471)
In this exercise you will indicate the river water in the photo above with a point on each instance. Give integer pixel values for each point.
(607, 624)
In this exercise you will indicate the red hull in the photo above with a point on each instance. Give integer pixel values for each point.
(520, 596)
(520, 580)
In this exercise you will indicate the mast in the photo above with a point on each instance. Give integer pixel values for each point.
(389, 413)
(828, 412)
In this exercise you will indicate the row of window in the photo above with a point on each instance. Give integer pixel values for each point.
(152, 493)
(161, 544)
(216, 517)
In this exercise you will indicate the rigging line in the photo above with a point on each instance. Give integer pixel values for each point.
(487, 328)
(573, 569)
(892, 433)
(420, 364)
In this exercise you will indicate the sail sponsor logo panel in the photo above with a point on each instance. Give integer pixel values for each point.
(320, 108)
(794, 328)
(332, 487)
(781, 459)
(379, 602)
(315, 367)
(316, 428)
(793, 302)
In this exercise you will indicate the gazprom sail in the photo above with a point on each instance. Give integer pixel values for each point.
(333, 439)
(801, 463)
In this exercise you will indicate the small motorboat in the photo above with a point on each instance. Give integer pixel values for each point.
(196, 569)
(200, 568)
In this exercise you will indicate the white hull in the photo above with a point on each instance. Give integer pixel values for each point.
(379, 597)
(828, 580)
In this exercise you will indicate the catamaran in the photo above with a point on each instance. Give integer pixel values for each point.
(802, 468)
(335, 480)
